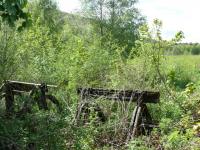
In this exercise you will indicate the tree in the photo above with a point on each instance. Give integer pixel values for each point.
(116, 18)
(45, 12)
(8, 52)
(13, 10)
(195, 50)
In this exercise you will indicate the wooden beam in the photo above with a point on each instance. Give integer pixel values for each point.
(16, 92)
(131, 126)
(126, 95)
(25, 86)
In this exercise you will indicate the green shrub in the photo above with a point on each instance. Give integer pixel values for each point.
(179, 76)
(195, 50)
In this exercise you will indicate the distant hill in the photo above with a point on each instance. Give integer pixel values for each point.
(79, 23)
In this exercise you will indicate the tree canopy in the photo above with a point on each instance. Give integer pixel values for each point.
(13, 10)
(115, 19)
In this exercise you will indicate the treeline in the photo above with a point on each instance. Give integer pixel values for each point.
(184, 49)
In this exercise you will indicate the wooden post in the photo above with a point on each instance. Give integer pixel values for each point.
(136, 118)
(43, 90)
(146, 121)
(9, 99)
(131, 124)
(136, 123)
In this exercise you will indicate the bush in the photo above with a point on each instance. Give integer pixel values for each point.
(179, 77)
(195, 50)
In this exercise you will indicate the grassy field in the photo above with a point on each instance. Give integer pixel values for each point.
(186, 60)
(182, 69)
(188, 63)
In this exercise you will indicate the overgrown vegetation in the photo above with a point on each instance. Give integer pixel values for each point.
(110, 47)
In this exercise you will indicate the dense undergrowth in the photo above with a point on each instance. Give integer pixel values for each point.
(67, 56)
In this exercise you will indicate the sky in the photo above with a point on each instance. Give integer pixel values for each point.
(176, 15)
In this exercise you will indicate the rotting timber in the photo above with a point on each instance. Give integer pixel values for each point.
(123, 95)
(37, 92)
(141, 120)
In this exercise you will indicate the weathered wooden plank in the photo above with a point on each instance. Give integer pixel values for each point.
(130, 131)
(16, 92)
(25, 86)
(136, 123)
(125, 95)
